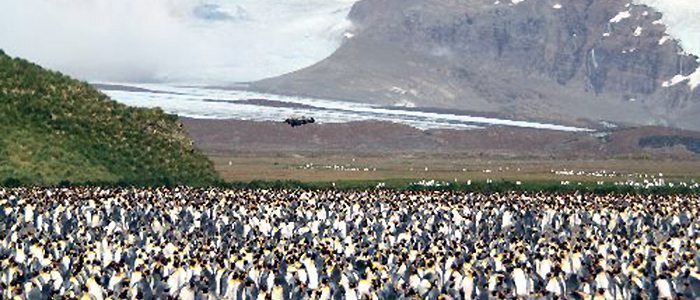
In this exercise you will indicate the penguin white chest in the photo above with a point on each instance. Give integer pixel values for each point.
(665, 289)
(520, 280)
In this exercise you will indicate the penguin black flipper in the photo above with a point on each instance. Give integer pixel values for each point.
(572, 283)
(694, 286)
(145, 290)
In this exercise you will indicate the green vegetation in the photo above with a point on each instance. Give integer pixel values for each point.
(55, 129)
(557, 187)
(397, 186)
(477, 187)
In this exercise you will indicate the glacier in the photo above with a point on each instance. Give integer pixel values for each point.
(217, 103)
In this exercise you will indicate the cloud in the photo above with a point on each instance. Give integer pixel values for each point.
(188, 41)
(213, 12)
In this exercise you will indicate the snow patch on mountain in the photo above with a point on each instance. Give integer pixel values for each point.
(621, 16)
(638, 31)
(693, 80)
(664, 39)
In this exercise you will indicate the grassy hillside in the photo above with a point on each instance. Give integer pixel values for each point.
(54, 129)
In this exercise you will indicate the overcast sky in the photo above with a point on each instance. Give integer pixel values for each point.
(193, 41)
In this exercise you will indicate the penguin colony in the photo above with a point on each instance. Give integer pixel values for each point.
(186, 243)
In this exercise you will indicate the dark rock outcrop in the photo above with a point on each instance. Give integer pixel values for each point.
(664, 141)
(579, 59)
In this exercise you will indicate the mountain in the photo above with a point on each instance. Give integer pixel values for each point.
(58, 129)
(600, 60)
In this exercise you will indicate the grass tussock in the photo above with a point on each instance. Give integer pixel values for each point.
(55, 129)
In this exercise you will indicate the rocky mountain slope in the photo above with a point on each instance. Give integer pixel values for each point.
(602, 60)
(56, 129)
